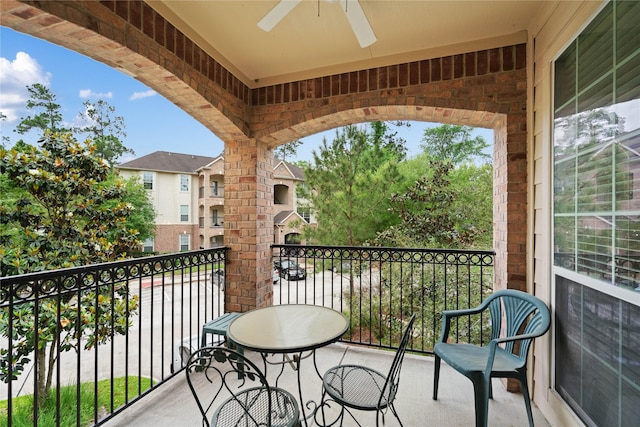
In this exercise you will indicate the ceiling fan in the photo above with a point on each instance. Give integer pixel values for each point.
(352, 9)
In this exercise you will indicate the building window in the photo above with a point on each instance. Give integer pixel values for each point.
(280, 194)
(184, 183)
(148, 245)
(596, 215)
(214, 188)
(147, 180)
(184, 242)
(184, 213)
(214, 218)
(305, 213)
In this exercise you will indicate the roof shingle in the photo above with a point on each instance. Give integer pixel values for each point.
(168, 162)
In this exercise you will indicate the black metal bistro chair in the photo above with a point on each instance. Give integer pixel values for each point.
(516, 319)
(230, 390)
(362, 388)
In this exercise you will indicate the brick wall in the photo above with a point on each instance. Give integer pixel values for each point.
(167, 237)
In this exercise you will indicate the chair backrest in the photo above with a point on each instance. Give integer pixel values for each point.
(393, 379)
(215, 374)
(523, 314)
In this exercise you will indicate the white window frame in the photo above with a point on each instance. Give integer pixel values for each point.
(185, 181)
(148, 243)
(184, 213)
(147, 180)
(184, 242)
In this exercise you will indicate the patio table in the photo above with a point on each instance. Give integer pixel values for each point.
(288, 330)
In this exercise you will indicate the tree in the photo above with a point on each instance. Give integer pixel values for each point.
(427, 214)
(348, 186)
(47, 115)
(386, 145)
(473, 204)
(141, 216)
(70, 213)
(288, 149)
(453, 143)
(106, 130)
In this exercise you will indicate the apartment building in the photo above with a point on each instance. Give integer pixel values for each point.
(187, 192)
(290, 212)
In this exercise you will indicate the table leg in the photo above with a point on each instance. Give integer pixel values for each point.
(312, 405)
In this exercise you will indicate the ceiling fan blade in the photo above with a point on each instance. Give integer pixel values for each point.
(276, 14)
(359, 23)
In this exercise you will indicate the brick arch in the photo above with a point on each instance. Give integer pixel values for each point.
(485, 88)
(415, 113)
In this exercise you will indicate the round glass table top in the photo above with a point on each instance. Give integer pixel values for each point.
(287, 328)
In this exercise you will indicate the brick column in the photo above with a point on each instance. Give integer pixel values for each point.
(510, 203)
(510, 209)
(248, 224)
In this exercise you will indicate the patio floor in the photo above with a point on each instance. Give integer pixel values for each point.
(172, 404)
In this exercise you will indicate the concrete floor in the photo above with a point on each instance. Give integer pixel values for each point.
(172, 405)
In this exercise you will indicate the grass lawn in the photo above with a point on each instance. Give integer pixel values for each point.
(23, 405)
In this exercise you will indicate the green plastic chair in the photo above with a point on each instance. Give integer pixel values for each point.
(516, 319)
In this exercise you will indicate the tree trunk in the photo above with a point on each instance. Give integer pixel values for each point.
(41, 372)
(52, 363)
(45, 368)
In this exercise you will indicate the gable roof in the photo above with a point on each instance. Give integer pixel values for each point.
(282, 217)
(168, 162)
(210, 164)
(296, 172)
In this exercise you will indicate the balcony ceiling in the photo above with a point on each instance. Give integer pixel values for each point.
(315, 38)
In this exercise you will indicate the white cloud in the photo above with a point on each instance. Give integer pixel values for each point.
(15, 76)
(82, 120)
(88, 93)
(140, 95)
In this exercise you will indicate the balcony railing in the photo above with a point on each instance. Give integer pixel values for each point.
(172, 296)
(377, 288)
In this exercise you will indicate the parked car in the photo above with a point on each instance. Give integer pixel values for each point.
(289, 269)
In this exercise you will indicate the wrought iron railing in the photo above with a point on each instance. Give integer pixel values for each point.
(379, 288)
(164, 299)
(174, 295)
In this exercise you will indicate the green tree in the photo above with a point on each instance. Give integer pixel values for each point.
(473, 204)
(69, 214)
(427, 213)
(453, 143)
(47, 113)
(288, 149)
(106, 130)
(142, 215)
(385, 145)
(348, 186)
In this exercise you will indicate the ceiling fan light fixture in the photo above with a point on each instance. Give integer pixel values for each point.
(276, 14)
(352, 9)
(359, 22)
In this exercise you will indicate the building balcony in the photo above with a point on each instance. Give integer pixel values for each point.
(174, 405)
(176, 294)
(212, 192)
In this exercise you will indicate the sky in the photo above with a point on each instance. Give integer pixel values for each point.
(152, 122)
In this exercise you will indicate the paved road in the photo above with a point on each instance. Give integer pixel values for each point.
(187, 301)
